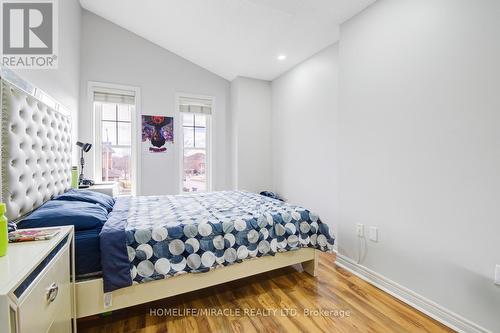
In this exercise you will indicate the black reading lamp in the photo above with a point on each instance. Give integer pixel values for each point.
(84, 148)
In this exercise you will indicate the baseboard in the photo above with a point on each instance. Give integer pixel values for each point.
(433, 310)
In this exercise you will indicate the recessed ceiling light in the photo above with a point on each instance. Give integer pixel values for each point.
(281, 57)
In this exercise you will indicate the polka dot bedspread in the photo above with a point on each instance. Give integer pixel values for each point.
(155, 237)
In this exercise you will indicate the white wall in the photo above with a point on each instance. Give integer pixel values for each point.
(304, 129)
(232, 146)
(63, 83)
(419, 148)
(114, 55)
(251, 134)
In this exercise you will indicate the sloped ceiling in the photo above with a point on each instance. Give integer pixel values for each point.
(234, 37)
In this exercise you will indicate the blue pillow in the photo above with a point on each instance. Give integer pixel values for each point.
(56, 213)
(88, 196)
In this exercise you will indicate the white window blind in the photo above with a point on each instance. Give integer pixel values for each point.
(195, 105)
(114, 96)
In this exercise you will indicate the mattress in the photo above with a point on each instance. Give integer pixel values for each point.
(87, 253)
(157, 237)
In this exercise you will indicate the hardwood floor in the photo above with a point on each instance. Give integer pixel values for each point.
(285, 300)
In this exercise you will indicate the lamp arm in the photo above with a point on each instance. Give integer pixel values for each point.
(82, 164)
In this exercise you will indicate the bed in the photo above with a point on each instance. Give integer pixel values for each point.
(87, 254)
(140, 249)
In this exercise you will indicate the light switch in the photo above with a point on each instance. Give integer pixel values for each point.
(373, 234)
(360, 230)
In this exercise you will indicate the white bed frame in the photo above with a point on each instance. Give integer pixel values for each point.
(90, 299)
(23, 111)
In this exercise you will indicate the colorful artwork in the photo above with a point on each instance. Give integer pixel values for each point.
(157, 133)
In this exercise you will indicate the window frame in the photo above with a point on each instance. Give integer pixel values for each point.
(97, 130)
(179, 127)
(99, 139)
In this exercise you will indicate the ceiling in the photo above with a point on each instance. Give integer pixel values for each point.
(234, 37)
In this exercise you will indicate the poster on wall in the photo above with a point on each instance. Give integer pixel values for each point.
(157, 134)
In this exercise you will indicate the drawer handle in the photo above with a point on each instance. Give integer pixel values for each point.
(52, 292)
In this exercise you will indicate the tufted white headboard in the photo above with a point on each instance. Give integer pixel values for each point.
(35, 153)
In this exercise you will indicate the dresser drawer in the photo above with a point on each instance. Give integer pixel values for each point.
(47, 307)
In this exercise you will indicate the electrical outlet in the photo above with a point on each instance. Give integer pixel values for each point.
(373, 234)
(497, 275)
(360, 230)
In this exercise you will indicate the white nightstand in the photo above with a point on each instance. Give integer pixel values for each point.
(110, 189)
(37, 285)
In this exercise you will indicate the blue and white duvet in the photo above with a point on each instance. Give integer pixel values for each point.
(155, 237)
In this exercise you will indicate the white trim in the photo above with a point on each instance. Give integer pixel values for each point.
(180, 139)
(136, 144)
(433, 310)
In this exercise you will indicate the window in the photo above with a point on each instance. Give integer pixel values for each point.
(114, 113)
(195, 117)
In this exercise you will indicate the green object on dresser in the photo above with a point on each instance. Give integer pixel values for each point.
(74, 177)
(4, 238)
